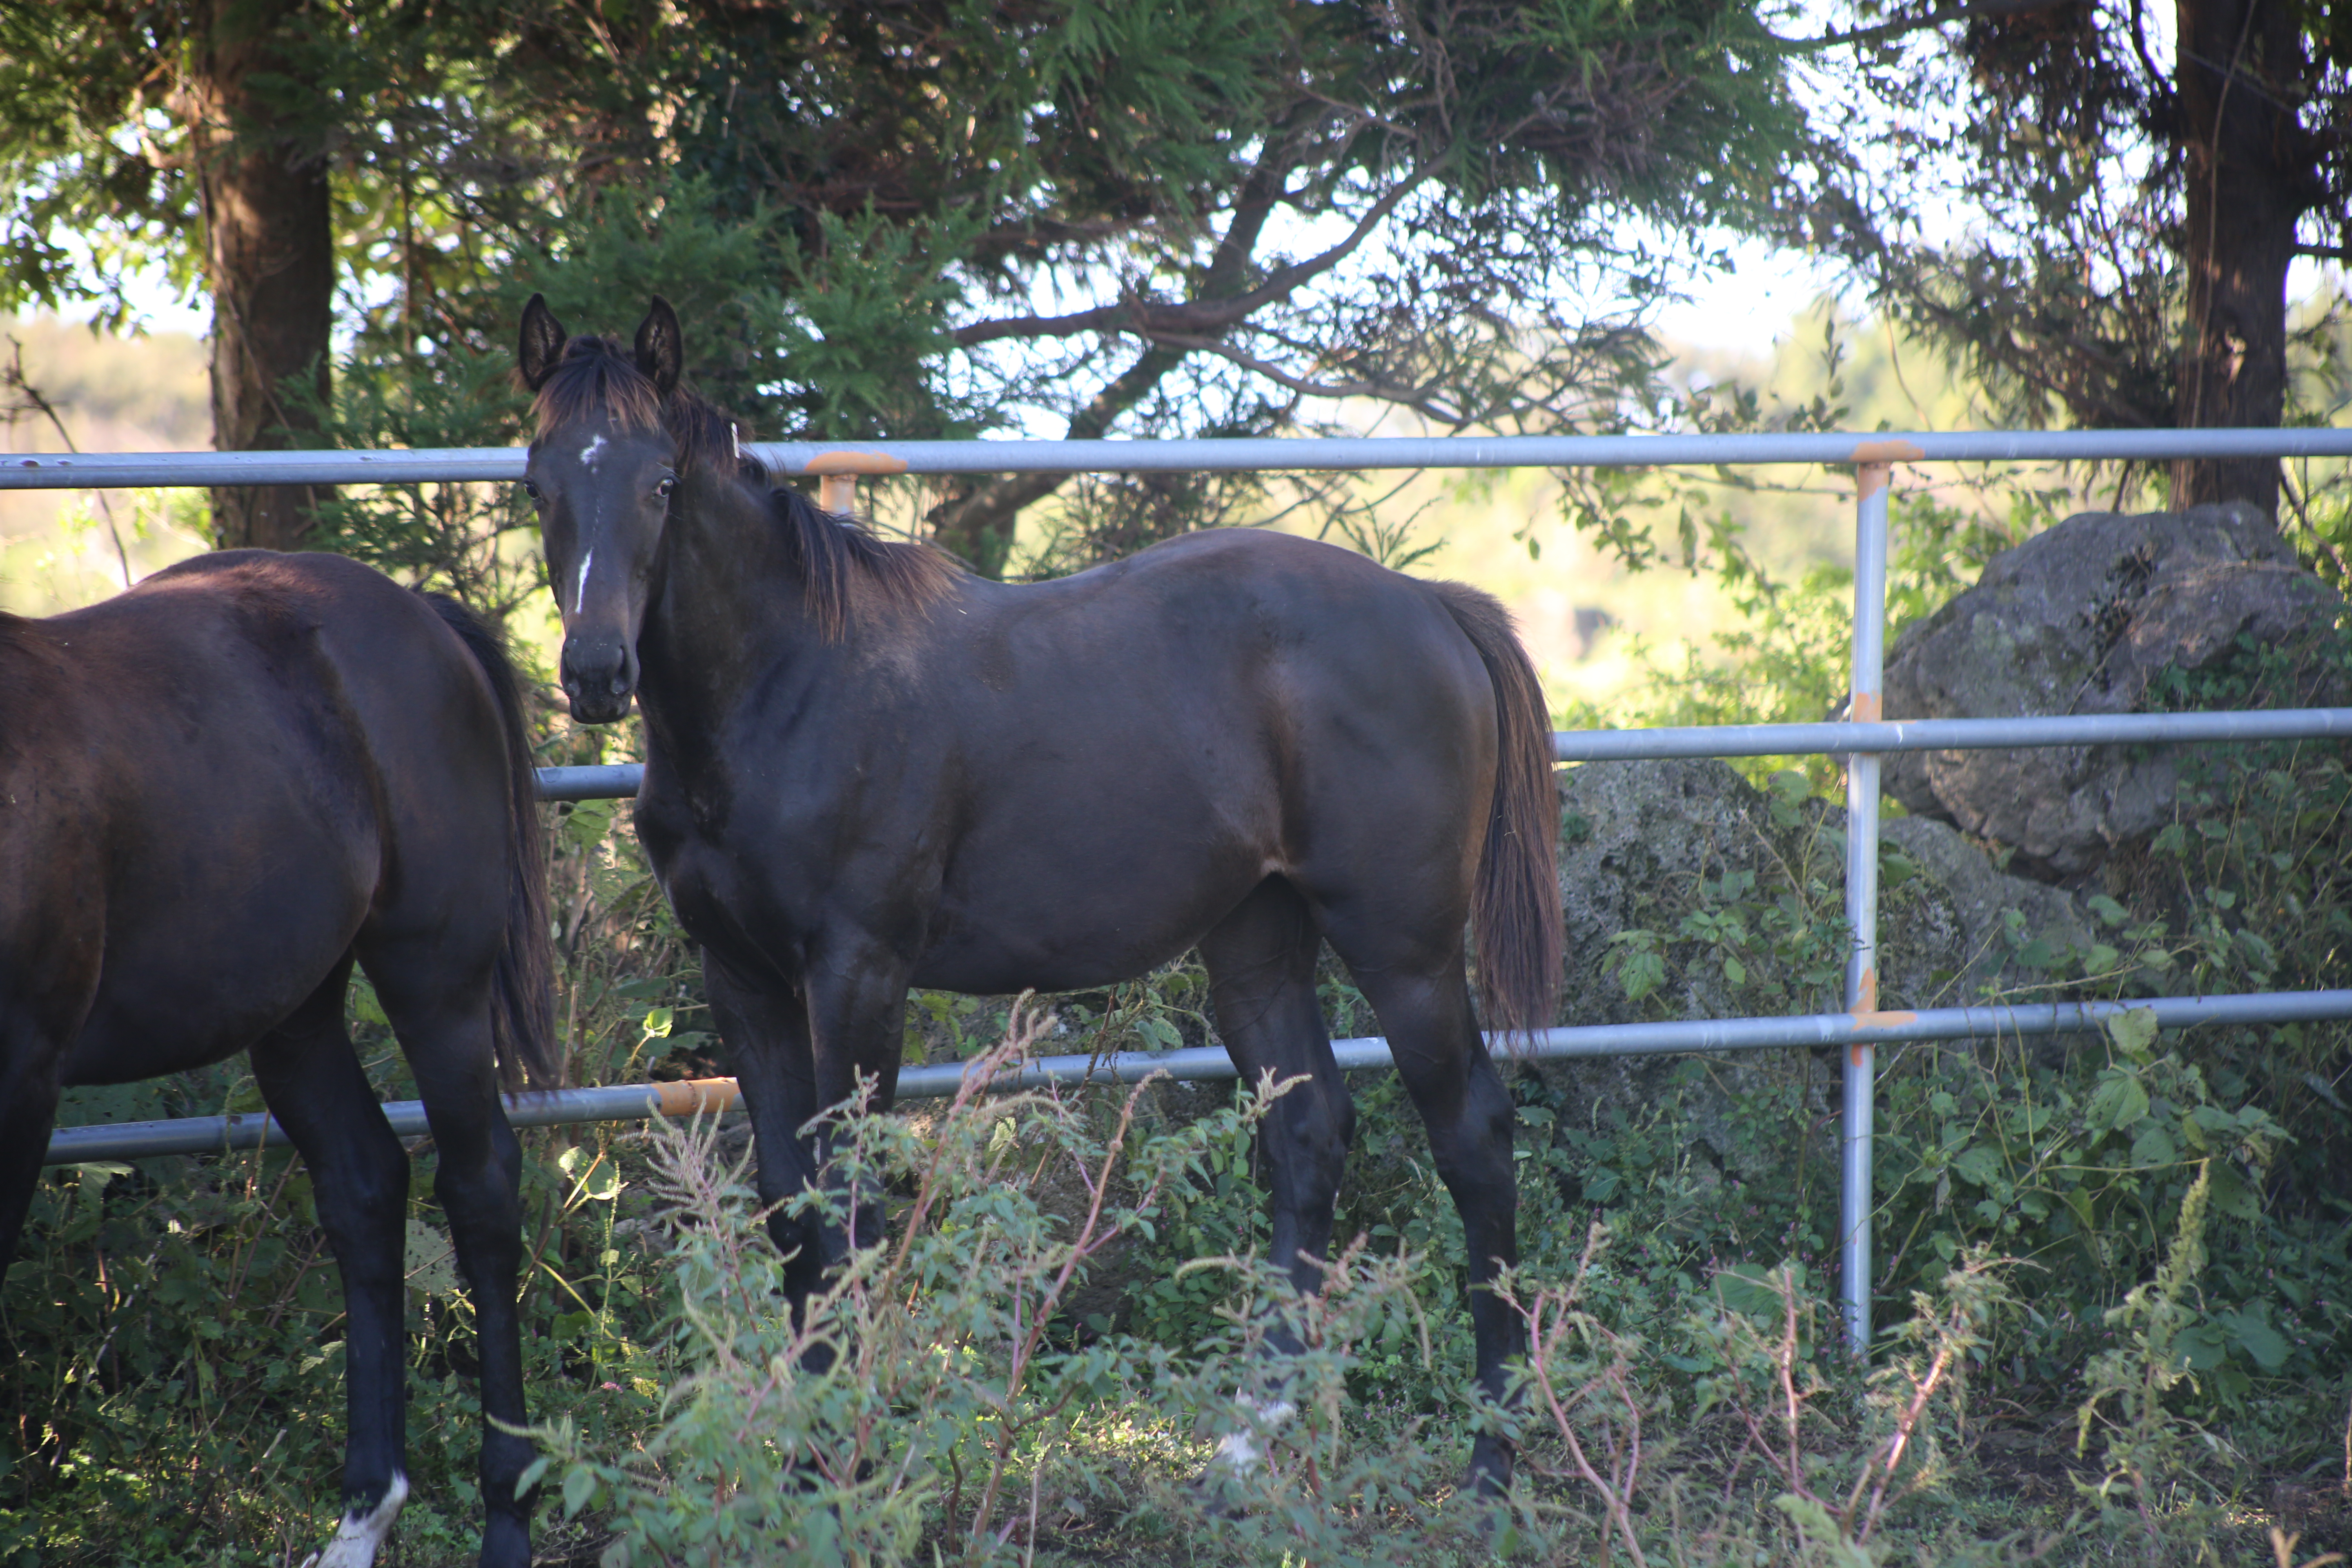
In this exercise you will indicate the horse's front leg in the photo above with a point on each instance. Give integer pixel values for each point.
(797, 1055)
(764, 1026)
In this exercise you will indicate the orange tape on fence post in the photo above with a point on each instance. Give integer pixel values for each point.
(836, 474)
(696, 1096)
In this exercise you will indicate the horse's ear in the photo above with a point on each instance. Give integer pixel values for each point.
(659, 348)
(543, 338)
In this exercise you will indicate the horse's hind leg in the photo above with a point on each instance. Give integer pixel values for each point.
(28, 1112)
(311, 1080)
(445, 1031)
(1424, 1004)
(1261, 962)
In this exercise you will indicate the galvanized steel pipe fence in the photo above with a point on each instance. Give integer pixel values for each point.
(1862, 739)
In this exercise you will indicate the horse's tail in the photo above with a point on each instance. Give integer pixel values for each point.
(1514, 906)
(522, 989)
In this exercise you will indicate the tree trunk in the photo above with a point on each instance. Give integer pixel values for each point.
(2249, 174)
(270, 258)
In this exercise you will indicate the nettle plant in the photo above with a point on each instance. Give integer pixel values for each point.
(941, 1389)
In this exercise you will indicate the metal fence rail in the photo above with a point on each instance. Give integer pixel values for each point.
(1862, 742)
(613, 781)
(65, 470)
(641, 1101)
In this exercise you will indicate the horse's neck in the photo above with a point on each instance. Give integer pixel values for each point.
(727, 614)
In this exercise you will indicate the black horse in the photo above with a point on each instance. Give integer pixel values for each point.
(217, 791)
(866, 770)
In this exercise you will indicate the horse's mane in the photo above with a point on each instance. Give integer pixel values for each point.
(841, 561)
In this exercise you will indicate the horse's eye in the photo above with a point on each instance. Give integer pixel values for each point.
(664, 488)
(531, 490)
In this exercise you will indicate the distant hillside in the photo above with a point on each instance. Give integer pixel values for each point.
(122, 394)
(113, 394)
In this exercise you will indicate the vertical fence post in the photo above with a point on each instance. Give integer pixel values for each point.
(1866, 706)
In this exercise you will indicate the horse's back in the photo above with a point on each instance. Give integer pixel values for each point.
(1240, 657)
(1221, 708)
(252, 756)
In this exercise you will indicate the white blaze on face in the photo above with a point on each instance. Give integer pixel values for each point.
(588, 453)
(579, 589)
(361, 1533)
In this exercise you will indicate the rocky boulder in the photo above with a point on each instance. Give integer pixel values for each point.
(1688, 862)
(2081, 620)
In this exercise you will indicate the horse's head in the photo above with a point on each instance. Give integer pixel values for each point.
(603, 468)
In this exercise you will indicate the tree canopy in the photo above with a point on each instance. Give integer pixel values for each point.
(939, 217)
(936, 217)
(2129, 222)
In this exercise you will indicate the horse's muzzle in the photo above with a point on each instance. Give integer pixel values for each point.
(600, 676)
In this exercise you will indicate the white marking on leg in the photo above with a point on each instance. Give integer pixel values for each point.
(588, 453)
(580, 592)
(1238, 1453)
(355, 1543)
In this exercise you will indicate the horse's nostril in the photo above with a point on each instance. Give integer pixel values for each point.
(620, 687)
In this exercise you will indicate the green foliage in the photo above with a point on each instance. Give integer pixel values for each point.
(1182, 219)
(1788, 660)
(1779, 943)
(935, 1389)
(181, 1402)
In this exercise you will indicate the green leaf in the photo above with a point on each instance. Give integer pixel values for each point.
(2203, 1347)
(1979, 1165)
(1752, 1289)
(2263, 1344)
(2154, 1146)
(432, 1261)
(2118, 1102)
(2133, 1032)
(578, 1485)
(2079, 1201)
(1641, 973)
(2230, 1195)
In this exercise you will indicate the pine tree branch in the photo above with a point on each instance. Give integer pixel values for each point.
(990, 509)
(1208, 313)
(1967, 11)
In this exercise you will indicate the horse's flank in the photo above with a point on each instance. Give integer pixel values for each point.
(30, 672)
(848, 571)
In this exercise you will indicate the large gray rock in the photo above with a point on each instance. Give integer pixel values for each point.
(1645, 845)
(2079, 620)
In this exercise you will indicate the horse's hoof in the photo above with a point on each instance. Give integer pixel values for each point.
(361, 1532)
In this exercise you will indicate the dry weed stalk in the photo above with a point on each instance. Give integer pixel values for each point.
(1600, 1389)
